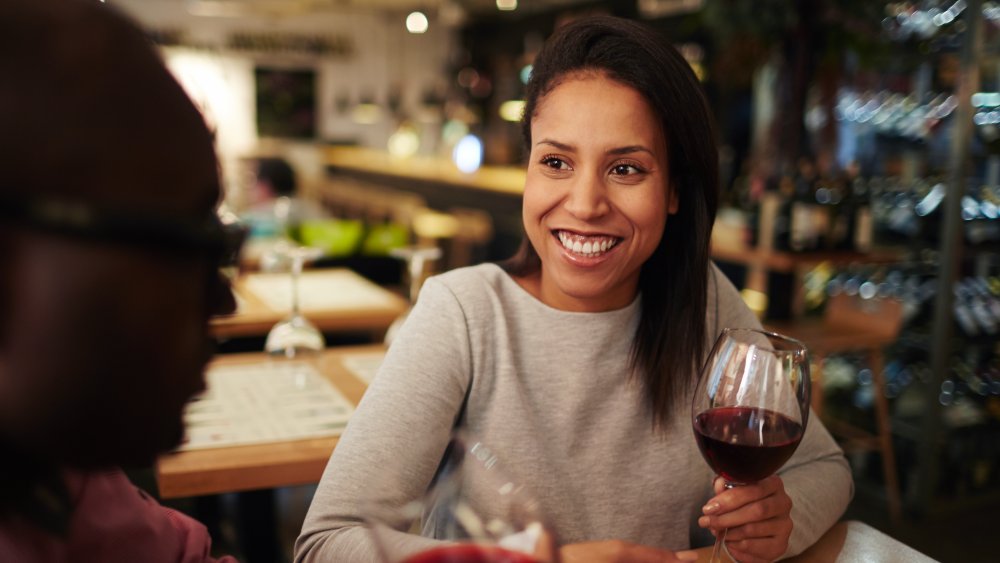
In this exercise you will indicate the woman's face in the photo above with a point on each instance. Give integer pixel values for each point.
(596, 197)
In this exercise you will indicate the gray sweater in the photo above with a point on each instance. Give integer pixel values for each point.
(549, 391)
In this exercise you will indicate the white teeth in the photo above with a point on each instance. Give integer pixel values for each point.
(586, 246)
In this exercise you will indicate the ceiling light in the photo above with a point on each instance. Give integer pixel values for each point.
(507, 5)
(416, 22)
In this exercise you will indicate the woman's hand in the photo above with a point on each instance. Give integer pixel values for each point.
(617, 551)
(758, 518)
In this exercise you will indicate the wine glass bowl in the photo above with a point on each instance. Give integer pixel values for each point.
(473, 512)
(751, 405)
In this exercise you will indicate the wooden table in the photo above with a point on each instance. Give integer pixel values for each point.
(335, 300)
(850, 542)
(300, 462)
(277, 464)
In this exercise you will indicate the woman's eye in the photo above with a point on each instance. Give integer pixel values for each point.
(555, 163)
(625, 169)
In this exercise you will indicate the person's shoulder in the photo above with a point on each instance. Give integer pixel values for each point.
(476, 288)
(721, 287)
(474, 278)
(725, 302)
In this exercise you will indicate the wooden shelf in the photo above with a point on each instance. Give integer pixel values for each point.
(508, 180)
(791, 262)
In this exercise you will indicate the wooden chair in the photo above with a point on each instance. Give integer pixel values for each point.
(852, 325)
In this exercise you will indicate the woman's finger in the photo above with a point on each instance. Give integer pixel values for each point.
(730, 499)
(775, 527)
(747, 551)
(774, 506)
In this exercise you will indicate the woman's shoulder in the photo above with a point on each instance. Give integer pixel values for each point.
(474, 282)
(726, 307)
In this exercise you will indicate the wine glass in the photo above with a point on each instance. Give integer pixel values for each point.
(473, 513)
(416, 258)
(295, 334)
(751, 406)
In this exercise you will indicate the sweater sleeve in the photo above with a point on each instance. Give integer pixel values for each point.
(396, 438)
(817, 478)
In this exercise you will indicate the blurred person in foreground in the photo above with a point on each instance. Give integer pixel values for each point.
(109, 269)
(575, 362)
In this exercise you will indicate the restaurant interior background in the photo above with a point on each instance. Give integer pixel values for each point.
(860, 159)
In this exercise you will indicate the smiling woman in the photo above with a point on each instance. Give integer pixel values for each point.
(575, 360)
(596, 196)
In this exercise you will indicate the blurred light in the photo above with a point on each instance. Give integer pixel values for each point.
(435, 225)
(404, 143)
(867, 290)
(366, 114)
(453, 131)
(526, 74)
(416, 22)
(512, 110)
(507, 5)
(468, 154)
(699, 71)
(755, 300)
(986, 99)
(482, 88)
(468, 77)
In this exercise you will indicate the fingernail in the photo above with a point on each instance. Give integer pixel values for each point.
(687, 555)
(703, 521)
(710, 508)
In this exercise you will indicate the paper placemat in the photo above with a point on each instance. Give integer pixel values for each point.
(266, 402)
(319, 291)
(364, 365)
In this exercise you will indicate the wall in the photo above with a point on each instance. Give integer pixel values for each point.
(382, 58)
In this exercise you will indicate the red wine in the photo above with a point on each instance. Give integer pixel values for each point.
(745, 444)
(469, 553)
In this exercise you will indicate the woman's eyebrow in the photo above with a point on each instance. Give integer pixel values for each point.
(630, 149)
(557, 144)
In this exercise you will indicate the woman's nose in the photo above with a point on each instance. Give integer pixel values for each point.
(587, 198)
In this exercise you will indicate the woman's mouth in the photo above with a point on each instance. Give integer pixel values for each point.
(589, 246)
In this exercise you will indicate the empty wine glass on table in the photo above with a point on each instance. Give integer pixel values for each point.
(295, 334)
(416, 258)
(472, 514)
(751, 406)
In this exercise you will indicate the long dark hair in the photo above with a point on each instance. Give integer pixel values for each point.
(671, 337)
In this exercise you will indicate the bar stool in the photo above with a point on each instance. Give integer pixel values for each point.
(852, 324)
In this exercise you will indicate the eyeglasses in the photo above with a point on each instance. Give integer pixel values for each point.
(206, 234)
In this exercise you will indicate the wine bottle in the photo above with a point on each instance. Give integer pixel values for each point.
(806, 222)
(862, 222)
(842, 214)
(780, 203)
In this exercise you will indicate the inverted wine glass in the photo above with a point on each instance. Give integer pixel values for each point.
(295, 335)
(751, 406)
(416, 258)
(472, 514)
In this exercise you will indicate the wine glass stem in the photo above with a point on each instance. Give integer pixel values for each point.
(717, 550)
(416, 267)
(296, 271)
(721, 539)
